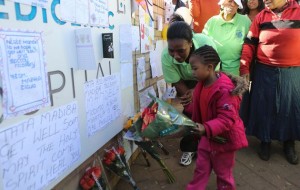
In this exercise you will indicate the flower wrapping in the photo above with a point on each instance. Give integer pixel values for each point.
(115, 161)
(93, 179)
(161, 119)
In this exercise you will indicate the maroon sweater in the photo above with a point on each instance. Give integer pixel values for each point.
(273, 39)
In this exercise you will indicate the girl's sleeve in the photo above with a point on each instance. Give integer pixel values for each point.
(249, 46)
(227, 113)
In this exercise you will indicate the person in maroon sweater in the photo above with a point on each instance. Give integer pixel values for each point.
(215, 110)
(274, 40)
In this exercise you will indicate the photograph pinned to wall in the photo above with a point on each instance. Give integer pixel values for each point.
(136, 40)
(145, 100)
(102, 102)
(99, 13)
(161, 88)
(141, 73)
(146, 31)
(121, 6)
(108, 45)
(23, 72)
(85, 49)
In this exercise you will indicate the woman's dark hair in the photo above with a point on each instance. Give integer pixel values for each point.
(246, 10)
(208, 54)
(175, 18)
(180, 30)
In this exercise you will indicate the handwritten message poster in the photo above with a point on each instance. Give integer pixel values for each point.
(76, 11)
(103, 102)
(146, 31)
(85, 49)
(99, 13)
(38, 149)
(23, 72)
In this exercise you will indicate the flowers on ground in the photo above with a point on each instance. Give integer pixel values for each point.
(115, 161)
(92, 179)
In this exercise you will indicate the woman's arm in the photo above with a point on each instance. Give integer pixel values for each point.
(249, 48)
(185, 94)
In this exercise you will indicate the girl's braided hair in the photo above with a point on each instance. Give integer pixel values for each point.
(208, 54)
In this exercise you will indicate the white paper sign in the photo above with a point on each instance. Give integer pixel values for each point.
(161, 87)
(85, 49)
(37, 150)
(126, 75)
(136, 40)
(76, 11)
(99, 13)
(125, 43)
(121, 6)
(145, 100)
(103, 102)
(23, 72)
(141, 73)
(40, 3)
(159, 23)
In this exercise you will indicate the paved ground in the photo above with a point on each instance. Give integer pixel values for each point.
(250, 172)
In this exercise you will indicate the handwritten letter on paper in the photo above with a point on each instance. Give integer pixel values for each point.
(24, 76)
(103, 102)
(99, 13)
(37, 150)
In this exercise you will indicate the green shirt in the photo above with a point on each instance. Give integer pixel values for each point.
(174, 71)
(229, 38)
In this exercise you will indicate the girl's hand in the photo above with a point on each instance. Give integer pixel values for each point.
(200, 130)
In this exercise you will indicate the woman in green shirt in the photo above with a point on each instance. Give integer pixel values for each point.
(228, 30)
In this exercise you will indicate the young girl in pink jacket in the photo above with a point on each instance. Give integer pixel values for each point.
(216, 112)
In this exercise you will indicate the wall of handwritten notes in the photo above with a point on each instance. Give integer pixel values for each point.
(61, 100)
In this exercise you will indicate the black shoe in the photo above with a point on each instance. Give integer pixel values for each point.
(290, 153)
(264, 152)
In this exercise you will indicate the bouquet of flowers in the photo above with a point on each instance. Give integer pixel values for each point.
(160, 119)
(115, 161)
(93, 179)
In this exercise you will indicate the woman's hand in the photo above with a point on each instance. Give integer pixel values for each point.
(187, 97)
(200, 130)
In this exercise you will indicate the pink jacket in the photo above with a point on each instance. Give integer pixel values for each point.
(223, 118)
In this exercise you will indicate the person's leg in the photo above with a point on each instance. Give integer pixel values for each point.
(188, 145)
(265, 150)
(202, 171)
(223, 164)
(290, 153)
